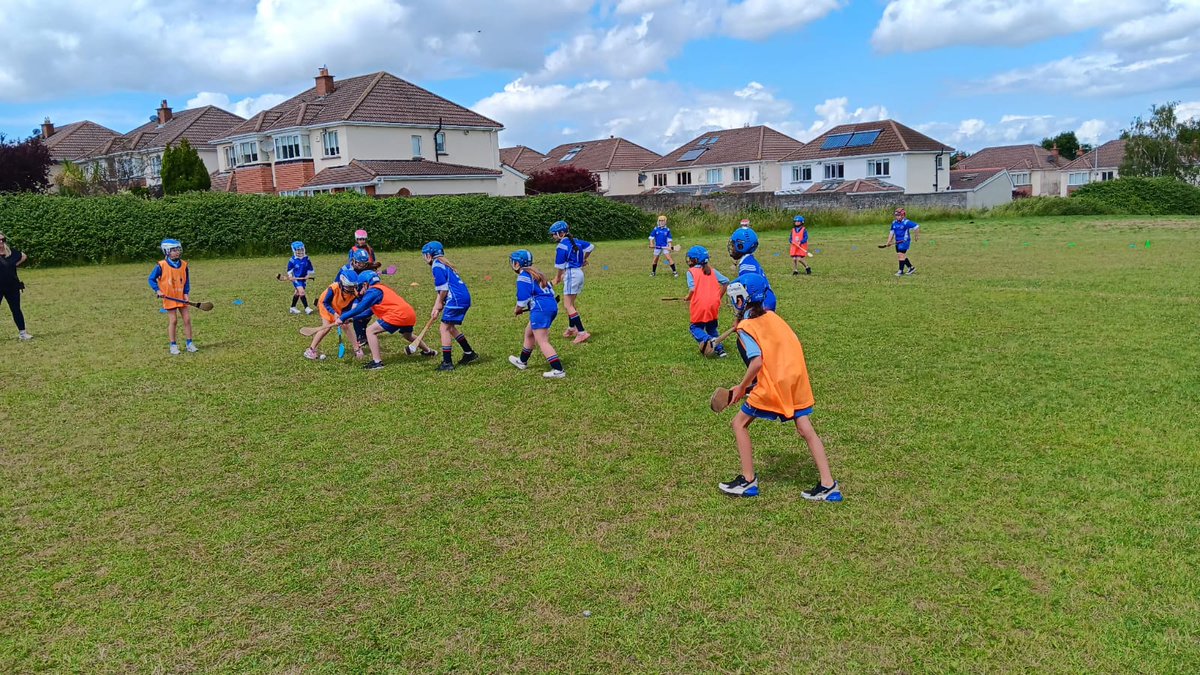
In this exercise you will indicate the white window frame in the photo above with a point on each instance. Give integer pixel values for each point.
(329, 141)
(247, 153)
(1077, 178)
(802, 173)
(1108, 175)
(938, 162)
(1020, 178)
(416, 146)
(439, 142)
(713, 176)
(835, 170)
(741, 174)
(154, 168)
(230, 157)
(683, 177)
(660, 180)
(292, 146)
(877, 168)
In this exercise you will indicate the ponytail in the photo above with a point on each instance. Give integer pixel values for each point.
(753, 310)
(707, 269)
(446, 263)
(537, 276)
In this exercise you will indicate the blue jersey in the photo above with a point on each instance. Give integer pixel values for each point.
(721, 279)
(901, 228)
(533, 297)
(570, 253)
(661, 236)
(299, 268)
(749, 265)
(446, 279)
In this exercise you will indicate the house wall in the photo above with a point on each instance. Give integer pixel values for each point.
(255, 178)
(1045, 183)
(854, 168)
(510, 184)
(290, 175)
(625, 182)
(739, 203)
(470, 148)
(993, 193)
(468, 186)
(1064, 187)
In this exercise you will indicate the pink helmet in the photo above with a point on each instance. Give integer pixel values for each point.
(360, 234)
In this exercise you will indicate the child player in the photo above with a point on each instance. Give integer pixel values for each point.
(705, 288)
(336, 299)
(299, 270)
(776, 387)
(799, 245)
(903, 234)
(742, 245)
(452, 302)
(392, 314)
(170, 279)
(570, 258)
(360, 244)
(660, 243)
(535, 294)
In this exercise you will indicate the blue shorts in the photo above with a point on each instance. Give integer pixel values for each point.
(389, 328)
(572, 281)
(774, 416)
(300, 284)
(902, 248)
(454, 315)
(541, 320)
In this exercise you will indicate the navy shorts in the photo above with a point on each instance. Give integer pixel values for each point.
(454, 315)
(541, 320)
(774, 416)
(901, 248)
(389, 328)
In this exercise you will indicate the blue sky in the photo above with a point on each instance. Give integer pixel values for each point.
(970, 73)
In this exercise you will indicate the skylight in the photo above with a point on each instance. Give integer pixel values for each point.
(708, 141)
(836, 141)
(571, 155)
(692, 154)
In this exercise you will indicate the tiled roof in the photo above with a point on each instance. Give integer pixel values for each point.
(859, 186)
(74, 140)
(608, 154)
(521, 158)
(379, 97)
(893, 138)
(223, 181)
(1107, 156)
(361, 171)
(200, 126)
(1011, 157)
(970, 179)
(747, 144)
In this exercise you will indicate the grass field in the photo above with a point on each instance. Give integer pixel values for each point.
(1015, 429)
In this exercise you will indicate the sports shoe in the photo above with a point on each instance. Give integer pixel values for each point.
(653, 274)
(570, 332)
(429, 352)
(468, 357)
(175, 350)
(722, 355)
(373, 365)
(820, 493)
(555, 374)
(312, 355)
(293, 310)
(192, 348)
(740, 487)
(808, 270)
(911, 270)
(521, 365)
(24, 335)
(795, 272)
(581, 338)
(308, 310)
(445, 366)
(676, 274)
(900, 273)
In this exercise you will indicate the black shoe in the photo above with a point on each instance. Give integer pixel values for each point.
(468, 357)
(795, 272)
(429, 352)
(373, 365)
(445, 366)
(808, 270)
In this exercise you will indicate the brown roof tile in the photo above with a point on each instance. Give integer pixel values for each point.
(200, 126)
(969, 179)
(747, 144)
(858, 186)
(1107, 156)
(607, 154)
(1011, 157)
(893, 138)
(73, 141)
(223, 181)
(367, 170)
(521, 158)
(378, 97)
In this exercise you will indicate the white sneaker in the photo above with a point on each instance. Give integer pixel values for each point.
(312, 355)
(308, 310)
(175, 350)
(24, 335)
(517, 362)
(900, 273)
(554, 374)
(192, 348)
(293, 310)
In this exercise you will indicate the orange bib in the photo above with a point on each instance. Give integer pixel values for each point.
(172, 282)
(706, 296)
(340, 300)
(783, 385)
(394, 309)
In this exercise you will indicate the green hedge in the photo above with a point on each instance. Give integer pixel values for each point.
(1144, 196)
(58, 230)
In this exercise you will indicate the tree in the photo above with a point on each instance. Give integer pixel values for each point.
(24, 165)
(74, 181)
(1162, 145)
(562, 179)
(958, 156)
(1068, 144)
(183, 170)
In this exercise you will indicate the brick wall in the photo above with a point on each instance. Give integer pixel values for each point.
(739, 203)
(292, 174)
(255, 179)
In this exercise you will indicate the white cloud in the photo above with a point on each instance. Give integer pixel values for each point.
(1188, 110)
(757, 19)
(1105, 74)
(974, 134)
(1095, 132)
(245, 107)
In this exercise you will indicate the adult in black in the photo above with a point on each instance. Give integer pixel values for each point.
(10, 283)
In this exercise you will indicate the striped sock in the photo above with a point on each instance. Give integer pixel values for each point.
(525, 355)
(446, 355)
(576, 322)
(462, 342)
(554, 362)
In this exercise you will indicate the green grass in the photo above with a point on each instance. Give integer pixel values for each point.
(1015, 429)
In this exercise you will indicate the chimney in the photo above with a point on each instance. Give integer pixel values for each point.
(1054, 154)
(324, 82)
(164, 113)
(47, 128)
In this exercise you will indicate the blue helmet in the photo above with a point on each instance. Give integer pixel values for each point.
(298, 248)
(347, 277)
(360, 256)
(742, 242)
(558, 227)
(368, 277)
(433, 248)
(521, 257)
(799, 220)
(698, 254)
(746, 288)
(168, 245)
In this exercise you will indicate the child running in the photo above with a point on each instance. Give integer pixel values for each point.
(902, 234)
(333, 302)
(569, 259)
(742, 245)
(776, 387)
(299, 270)
(452, 301)
(799, 245)
(660, 243)
(535, 294)
(360, 244)
(392, 314)
(705, 288)
(172, 282)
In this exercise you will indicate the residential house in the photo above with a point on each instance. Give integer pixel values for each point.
(984, 188)
(135, 158)
(867, 157)
(521, 158)
(729, 160)
(1034, 170)
(1101, 164)
(616, 162)
(376, 134)
(70, 143)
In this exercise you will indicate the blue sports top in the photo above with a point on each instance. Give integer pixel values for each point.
(446, 279)
(299, 268)
(533, 297)
(721, 279)
(157, 272)
(749, 264)
(362, 308)
(749, 345)
(567, 256)
(661, 236)
(900, 230)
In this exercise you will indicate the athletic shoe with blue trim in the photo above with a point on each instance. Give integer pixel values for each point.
(373, 365)
(820, 493)
(740, 487)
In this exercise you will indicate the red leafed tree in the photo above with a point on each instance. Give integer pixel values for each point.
(24, 165)
(562, 179)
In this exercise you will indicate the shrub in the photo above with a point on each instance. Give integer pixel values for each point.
(1053, 206)
(1144, 196)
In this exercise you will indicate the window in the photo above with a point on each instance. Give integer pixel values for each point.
(835, 170)
(571, 154)
(660, 179)
(683, 178)
(713, 177)
(1107, 175)
(1077, 178)
(694, 153)
(741, 174)
(1020, 178)
(291, 146)
(230, 157)
(879, 167)
(416, 146)
(155, 166)
(329, 140)
(247, 152)
(708, 141)
(439, 142)
(802, 173)
(939, 161)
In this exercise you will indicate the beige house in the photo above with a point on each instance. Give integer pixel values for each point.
(393, 128)
(729, 160)
(616, 162)
(984, 188)
(1101, 164)
(868, 157)
(70, 143)
(1034, 170)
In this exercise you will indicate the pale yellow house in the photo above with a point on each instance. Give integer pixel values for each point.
(616, 162)
(70, 143)
(729, 160)
(1034, 170)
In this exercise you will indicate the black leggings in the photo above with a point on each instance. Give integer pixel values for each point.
(13, 296)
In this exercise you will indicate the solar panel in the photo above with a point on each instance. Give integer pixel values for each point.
(836, 141)
(711, 139)
(692, 154)
(861, 138)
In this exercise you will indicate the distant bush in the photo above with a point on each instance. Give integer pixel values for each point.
(696, 220)
(1144, 196)
(1053, 206)
(57, 230)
